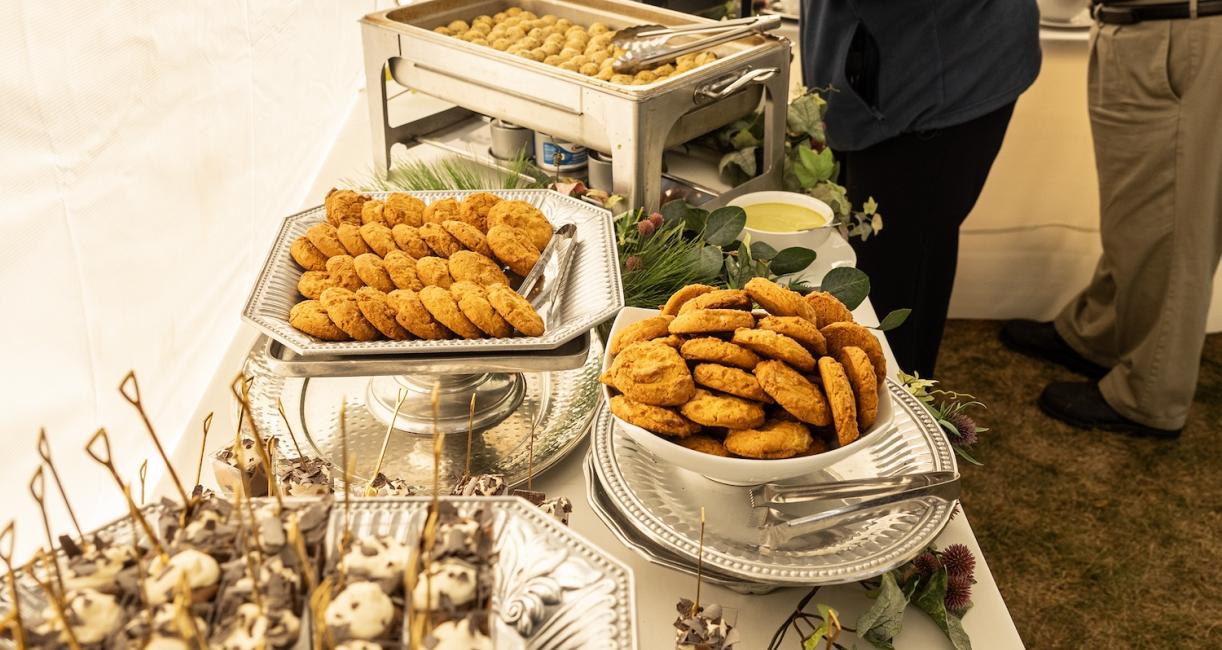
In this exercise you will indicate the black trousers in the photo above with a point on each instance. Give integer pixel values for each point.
(925, 183)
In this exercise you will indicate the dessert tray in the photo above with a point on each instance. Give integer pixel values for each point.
(654, 508)
(586, 293)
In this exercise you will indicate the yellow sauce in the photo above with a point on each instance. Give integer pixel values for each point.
(782, 217)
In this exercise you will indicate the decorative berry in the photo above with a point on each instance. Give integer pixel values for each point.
(966, 427)
(656, 219)
(633, 263)
(959, 561)
(646, 227)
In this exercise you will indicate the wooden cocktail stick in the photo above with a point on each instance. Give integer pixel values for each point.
(699, 565)
(187, 628)
(240, 494)
(203, 448)
(57, 601)
(466, 470)
(8, 538)
(134, 400)
(44, 451)
(390, 427)
(108, 462)
(38, 491)
(288, 427)
(243, 396)
(143, 473)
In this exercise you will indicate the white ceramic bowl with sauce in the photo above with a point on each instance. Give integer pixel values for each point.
(783, 231)
(738, 471)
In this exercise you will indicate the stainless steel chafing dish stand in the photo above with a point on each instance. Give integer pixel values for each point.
(634, 124)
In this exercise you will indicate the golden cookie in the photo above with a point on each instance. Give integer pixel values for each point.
(860, 371)
(434, 272)
(673, 340)
(795, 394)
(439, 241)
(704, 444)
(718, 299)
(682, 296)
(703, 321)
(775, 439)
(376, 309)
(371, 212)
(308, 316)
(439, 211)
(445, 309)
(307, 255)
(523, 216)
(402, 270)
(798, 329)
(411, 314)
(775, 346)
(469, 236)
(342, 269)
(408, 239)
(341, 306)
(828, 308)
(344, 206)
(403, 208)
(379, 238)
(469, 266)
(845, 334)
(651, 373)
(778, 300)
(371, 271)
(719, 351)
(513, 248)
(325, 239)
(642, 330)
(474, 209)
(840, 397)
(652, 418)
(312, 283)
(734, 381)
(472, 300)
(716, 410)
(350, 236)
(515, 309)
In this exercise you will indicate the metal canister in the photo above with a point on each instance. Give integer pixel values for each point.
(510, 140)
(558, 156)
(600, 171)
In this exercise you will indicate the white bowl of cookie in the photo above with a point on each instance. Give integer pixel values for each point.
(741, 395)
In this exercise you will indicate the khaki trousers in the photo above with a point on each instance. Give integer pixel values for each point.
(1156, 117)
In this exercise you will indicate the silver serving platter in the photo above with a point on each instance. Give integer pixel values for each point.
(555, 589)
(662, 503)
(561, 405)
(589, 291)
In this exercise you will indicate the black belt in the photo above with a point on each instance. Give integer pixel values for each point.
(1118, 14)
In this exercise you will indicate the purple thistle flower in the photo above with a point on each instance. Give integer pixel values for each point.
(959, 561)
(958, 594)
(927, 563)
(966, 427)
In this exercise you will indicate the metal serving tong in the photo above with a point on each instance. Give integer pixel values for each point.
(856, 497)
(647, 46)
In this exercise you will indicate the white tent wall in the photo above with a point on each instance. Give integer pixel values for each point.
(148, 150)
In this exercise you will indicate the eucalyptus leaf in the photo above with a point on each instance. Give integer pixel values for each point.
(708, 264)
(931, 598)
(741, 161)
(849, 284)
(882, 621)
(791, 260)
(894, 319)
(724, 225)
(762, 251)
(674, 212)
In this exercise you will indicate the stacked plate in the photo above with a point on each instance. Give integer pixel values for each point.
(654, 509)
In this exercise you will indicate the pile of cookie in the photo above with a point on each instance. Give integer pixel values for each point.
(717, 377)
(400, 269)
(558, 42)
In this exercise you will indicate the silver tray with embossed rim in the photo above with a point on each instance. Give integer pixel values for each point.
(589, 291)
(560, 404)
(663, 504)
(555, 589)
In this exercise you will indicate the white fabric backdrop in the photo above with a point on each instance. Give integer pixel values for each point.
(148, 149)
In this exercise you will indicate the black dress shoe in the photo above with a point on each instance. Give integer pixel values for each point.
(1040, 340)
(1080, 404)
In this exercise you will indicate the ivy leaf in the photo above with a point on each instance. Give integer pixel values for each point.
(724, 225)
(820, 165)
(741, 162)
(835, 196)
(805, 116)
(849, 284)
(674, 212)
(894, 319)
(708, 262)
(743, 138)
(931, 598)
(762, 251)
(791, 260)
(882, 621)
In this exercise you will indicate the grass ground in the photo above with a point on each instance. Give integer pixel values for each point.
(1097, 540)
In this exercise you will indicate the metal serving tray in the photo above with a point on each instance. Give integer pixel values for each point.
(589, 291)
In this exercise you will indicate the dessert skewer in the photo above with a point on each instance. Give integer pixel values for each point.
(107, 461)
(143, 472)
(243, 395)
(44, 452)
(370, 490)
(58, 608)
(8, 538)
(303, 475)
(38, 491)
(203, 447)
(702, 628)
(134, 399)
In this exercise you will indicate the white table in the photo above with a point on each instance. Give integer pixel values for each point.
(657, 588)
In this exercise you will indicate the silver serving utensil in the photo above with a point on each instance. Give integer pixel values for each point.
(649, 47)
(564, 232)
(562, 270)
(771, 494)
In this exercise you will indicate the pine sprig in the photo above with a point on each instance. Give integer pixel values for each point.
(453, 173)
